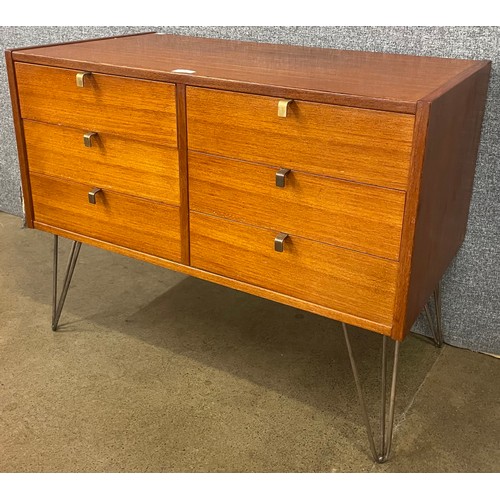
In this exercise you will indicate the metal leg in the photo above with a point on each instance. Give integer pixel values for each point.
(436, 329)
(386, 428)
(73, 257)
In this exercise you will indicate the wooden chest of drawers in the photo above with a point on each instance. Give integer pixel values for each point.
(336, 182)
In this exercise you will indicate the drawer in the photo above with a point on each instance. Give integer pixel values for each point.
(368, 146)
(343, 280)
(141, 109)
(357, 216)
(126, 165)
(150, 227)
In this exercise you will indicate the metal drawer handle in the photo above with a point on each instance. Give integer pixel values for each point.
(92, 194)
(279, 242)
(87, 139)
(281, 176)
(80, 78)
(283, 107)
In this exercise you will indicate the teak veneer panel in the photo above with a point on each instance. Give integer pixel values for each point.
(132, 222)
(129, 166)
(220, 280)
(335, 278)
(453, 130)
(369, 79)
(183, 174)
(368, 146)
(133, 108)
(356, 216)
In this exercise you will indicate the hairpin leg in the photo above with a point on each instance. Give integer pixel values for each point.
(73, 257)
(436, 328)
(386, 428)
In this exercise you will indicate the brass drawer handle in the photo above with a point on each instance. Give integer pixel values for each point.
(80, 78)
(279, 242)
(281, 176)
(283, 107)
(92, 194)
(87, 139)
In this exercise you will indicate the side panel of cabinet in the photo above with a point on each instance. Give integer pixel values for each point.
(447, 140)
(21, 146)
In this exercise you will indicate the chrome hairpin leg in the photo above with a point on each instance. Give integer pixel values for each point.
(386, 428)
(73, 257)
(436, 329)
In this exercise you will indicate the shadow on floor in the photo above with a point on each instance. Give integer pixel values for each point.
(290, 351)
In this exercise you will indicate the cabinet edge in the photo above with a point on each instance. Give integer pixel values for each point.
(409, 221)
(71, 42)
(21, 144)
(336, 99)
(439, 198)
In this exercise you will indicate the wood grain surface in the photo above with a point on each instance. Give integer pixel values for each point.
(386, 81)
(352, 282)
(129, 107)
(362, 145)
(27, 48)
(128, 221)
(399, 330)
(220, 280)
(445, 190)
(123, 165)
(350, 215)
(180, 93)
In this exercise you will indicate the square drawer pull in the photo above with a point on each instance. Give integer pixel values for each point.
(92, 198)
(87, 139)
(283, 107)
(80, 78)
(279, 241)
(281, 176)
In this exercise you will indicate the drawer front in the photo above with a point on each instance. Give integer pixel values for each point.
(356, 216)
(348, 143)
(125, 165)
(141, 109)
(346, 281)
(150, 227)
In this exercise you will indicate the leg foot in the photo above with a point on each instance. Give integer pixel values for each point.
(435, 326)
(57, 306)
(386, 427)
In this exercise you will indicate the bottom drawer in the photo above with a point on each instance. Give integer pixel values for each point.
(343, 280)
(131, 222)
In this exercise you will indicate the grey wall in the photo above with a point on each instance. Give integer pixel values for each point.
(471, 290)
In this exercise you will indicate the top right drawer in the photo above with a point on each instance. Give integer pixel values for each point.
(361, 145)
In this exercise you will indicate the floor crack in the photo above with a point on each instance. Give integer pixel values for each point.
(402, 418)
(403, 415)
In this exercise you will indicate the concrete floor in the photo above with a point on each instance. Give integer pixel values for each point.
(155, 371)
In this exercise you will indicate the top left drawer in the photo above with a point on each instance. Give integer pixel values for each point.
(138, 109)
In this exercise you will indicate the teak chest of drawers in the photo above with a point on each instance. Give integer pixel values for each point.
(336, 182)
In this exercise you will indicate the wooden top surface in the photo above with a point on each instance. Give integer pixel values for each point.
(376, 80)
